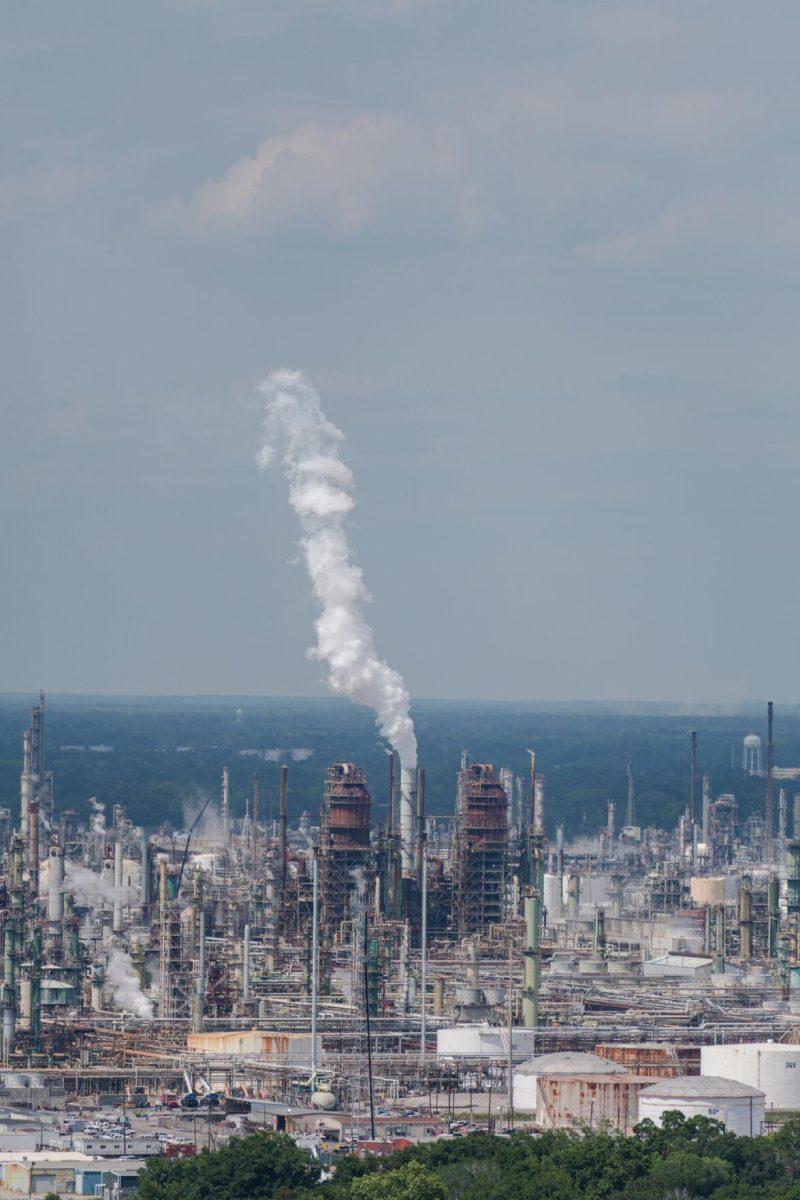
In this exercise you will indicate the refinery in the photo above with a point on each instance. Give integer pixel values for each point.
(370, 971)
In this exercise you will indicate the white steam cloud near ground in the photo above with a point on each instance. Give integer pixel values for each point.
(123, 983)
(300, 436)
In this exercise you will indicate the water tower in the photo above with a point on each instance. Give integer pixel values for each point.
(751, 754)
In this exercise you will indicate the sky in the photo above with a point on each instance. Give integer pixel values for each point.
(540, 259)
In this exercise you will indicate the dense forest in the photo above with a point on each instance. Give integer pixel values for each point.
(680, 1161)
(158, 756)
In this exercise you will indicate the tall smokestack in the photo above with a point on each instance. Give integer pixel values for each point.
(420, 848)
(255, 824)
(390, 798)
(33, 846)
(282, 815)
(117, 923)
(55, 886)
(225, 807)
(408, 812)
(146, 880)
(630, 805)
(769, 831)
(25, 784)
(693, 774)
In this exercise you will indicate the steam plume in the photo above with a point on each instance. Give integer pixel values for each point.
(320, 492)
(124, 984)
(90, 888)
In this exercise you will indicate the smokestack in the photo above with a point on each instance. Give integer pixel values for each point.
(33, 846)
(282, 816)
(25, 784)
(420, 850)
(693, 774)
(225, 807)
(573, 896)
(246, 966)
(117, 923)
(55, 893)
(538, 799)
(200, 982)
(146, 881)
(107, 876)
(769, 832)
(630, 807)
(163, 888)
(745, 920)
(390, 798)
(706, 807)
(255, 825)
(98, 978)
(408, 805)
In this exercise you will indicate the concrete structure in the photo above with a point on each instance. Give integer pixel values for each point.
(739, 1107)
(771, 1067)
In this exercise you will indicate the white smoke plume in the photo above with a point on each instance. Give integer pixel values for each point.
(358, 875)
(124, 985)
(98, 819)
(301, 753)
(320, 492)
(209, 825)
(274, 755)
(89, 888)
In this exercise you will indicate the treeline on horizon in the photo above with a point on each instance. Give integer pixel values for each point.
(682, 1160)
(168, 754)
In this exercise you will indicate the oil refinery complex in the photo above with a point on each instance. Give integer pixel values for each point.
(374, 971)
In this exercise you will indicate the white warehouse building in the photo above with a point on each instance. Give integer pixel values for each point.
(772, 1067)
(741, 1108)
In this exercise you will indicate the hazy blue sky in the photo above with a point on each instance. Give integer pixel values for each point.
(541, 259)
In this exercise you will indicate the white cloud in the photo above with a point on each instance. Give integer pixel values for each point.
(339, 180)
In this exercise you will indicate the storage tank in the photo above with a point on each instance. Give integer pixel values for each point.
(567, 1062)
(772, 1067)
(739, 1107)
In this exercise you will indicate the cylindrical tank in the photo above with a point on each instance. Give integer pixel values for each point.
(739, 1107)
(771, 1067)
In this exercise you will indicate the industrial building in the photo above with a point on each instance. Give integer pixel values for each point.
(361, 967)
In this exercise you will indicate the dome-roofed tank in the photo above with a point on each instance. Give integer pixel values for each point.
(739, 1107)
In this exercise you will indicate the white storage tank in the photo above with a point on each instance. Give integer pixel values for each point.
(772, 1067)
(484, 1041)
(567, 1062)
(740, 1108)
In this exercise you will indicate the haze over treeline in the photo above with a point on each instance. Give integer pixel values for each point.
(156, 754)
